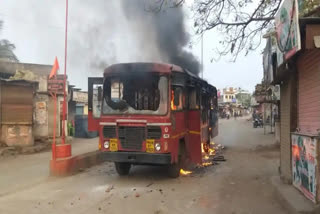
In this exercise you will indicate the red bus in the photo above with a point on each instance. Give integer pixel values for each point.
(152, 113)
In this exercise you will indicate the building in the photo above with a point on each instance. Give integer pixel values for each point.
(27, 109)
(229, 95)
(234, 101)
(297, 70)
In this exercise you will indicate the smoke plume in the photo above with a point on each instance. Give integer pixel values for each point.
(168, 29)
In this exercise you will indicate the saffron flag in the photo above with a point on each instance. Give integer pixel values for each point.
(54, 69)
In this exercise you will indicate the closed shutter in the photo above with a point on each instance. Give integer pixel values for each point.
(309, 91)
(16, 106)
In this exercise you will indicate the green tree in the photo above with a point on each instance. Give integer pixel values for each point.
(6, 48)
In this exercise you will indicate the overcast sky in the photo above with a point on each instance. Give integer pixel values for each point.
(98, 32)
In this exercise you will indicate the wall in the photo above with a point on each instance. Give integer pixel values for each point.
(40, 116)
(17, 135)
(287, 125)
(51, 116)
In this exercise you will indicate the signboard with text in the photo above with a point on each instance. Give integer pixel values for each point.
(55, 85)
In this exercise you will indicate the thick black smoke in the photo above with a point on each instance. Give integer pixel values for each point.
(169, 29)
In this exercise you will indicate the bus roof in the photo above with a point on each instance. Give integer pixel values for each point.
(152, 67)
(142, 67)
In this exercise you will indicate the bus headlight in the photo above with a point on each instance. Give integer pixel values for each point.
(157, 147)
(106, 144)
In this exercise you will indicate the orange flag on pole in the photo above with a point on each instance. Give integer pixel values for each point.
(54, 69)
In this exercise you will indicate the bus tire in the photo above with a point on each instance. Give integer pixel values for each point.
(122, 168)
(174, 169)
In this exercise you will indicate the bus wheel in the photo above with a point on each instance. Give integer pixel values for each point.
(122, 168)
(174, 169)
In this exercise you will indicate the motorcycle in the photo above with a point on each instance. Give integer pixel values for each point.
(257, 122)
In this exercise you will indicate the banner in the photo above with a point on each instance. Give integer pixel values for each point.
(304, 165)
(267, 62)
(288, 31)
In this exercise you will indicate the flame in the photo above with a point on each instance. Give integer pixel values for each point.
(207, 164)
(184, 172)
(206, 157)
(211, 151)
(173, 107)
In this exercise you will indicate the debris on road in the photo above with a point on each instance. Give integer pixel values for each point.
(110, 188)
(137, 195)
(219, 158)
(149, 184)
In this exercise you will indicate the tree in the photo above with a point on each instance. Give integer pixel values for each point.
(6, 48)
(241, 23)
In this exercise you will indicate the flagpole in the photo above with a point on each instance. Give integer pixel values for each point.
(65, 77)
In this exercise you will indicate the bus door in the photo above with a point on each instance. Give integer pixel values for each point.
(194, 125)
(95, 91)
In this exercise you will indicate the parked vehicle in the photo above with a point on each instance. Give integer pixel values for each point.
(150, 113)
(257, 122)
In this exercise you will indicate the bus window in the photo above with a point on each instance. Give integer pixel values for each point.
(204, 108)
(177, 99)
(193, 99)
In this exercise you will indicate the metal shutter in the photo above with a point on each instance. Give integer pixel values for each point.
(16, 105)
(309, 92)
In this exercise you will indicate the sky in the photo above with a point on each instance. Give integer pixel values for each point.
(100, 31)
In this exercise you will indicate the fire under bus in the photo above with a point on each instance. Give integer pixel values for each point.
(151, 113)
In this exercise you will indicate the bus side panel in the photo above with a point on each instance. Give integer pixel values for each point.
(179, 131)
(194, 143)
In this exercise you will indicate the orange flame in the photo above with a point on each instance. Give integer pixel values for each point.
(207, 164)
(184, 172)
(173, 107)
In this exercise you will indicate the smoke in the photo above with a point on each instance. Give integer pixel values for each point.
(124, 31)
(168, 29)
(100, 33)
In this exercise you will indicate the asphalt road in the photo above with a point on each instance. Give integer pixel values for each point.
(241, 185)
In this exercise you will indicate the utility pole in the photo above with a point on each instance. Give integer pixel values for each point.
(64, 110)
(202, 56)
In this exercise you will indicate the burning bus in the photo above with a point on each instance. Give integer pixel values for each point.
(152, 113)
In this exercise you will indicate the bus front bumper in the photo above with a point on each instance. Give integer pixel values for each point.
(137, 158)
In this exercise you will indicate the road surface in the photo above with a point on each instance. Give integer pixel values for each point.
(241, 185)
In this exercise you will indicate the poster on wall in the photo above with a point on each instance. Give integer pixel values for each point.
(304, 165)
(288, 31)
(41, 113)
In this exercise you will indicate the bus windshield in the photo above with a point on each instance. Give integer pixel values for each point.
(136, 94)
